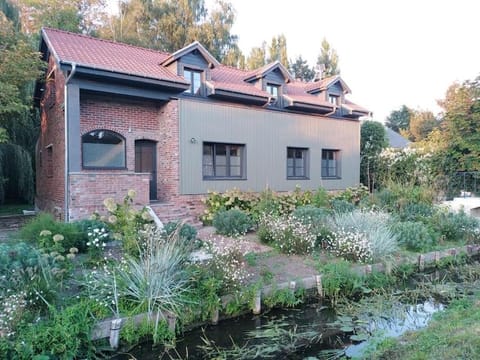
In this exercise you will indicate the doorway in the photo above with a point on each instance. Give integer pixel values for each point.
(146, 162)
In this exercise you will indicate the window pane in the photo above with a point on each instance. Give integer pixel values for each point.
(235, 171)
(103, 148)
(187, 74)
(196, 82)
(220, 170)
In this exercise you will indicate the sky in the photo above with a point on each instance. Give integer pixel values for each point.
(391, 52)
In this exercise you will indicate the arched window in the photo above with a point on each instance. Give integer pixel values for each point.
(103, 149)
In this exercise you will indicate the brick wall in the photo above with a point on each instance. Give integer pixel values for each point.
(132, 119)
(50, 152)
(88, 190)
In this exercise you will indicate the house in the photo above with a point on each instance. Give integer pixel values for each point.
(116, 117)
(395, 140)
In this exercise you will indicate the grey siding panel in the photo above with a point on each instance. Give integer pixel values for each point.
(275, 76)
(266, 135)
(335, 89)
(194, 60)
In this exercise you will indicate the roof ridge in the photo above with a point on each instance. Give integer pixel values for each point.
(105, 40)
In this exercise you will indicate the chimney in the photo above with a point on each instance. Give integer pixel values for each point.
(319, 69)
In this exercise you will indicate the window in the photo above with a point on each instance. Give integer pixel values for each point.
(334, 99)
(330, 164)
(195, 79)
(103, 149)
(297, 163)
(223, 161)
(273, 90)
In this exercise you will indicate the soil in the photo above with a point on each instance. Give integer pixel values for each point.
(262, 261)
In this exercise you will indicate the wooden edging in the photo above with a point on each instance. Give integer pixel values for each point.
(110, 328)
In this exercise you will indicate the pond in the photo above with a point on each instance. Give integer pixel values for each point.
(312, 330)
(316, 331)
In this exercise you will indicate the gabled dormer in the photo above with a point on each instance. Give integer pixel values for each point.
(193, 63)
(271, 78)
(332, 89)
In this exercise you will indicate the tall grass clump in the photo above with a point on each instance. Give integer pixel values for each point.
(154, 281)
(362, 236)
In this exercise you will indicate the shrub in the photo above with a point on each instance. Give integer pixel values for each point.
(25, 269)
(341, 206)
(73, 234)
(65, 335)
(414, 235)
(187, 232)
(314, 217)
(416, 212)
(126, 222)
(232, 222)
(396, 196)
(338, 280)
(288, 234)
(230, 199)
(353, 195)
(350, 245)
(364, 233)
(456, 226)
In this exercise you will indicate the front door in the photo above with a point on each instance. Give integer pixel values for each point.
(146, 162)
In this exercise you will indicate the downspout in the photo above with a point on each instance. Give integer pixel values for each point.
(65, 110)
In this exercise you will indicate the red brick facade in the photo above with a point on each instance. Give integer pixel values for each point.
(50, 157)
(133, 120)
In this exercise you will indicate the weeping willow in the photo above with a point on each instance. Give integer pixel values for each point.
(16, 174)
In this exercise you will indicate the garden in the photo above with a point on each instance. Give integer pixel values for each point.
(59, 280)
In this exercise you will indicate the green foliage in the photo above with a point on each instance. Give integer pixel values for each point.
(284, 298)
(23, 269)
(416, 212)
(339, 281)
(328, 59)
(231, 199)
(64, 335)
(287, 233)
(399, 119)
(133, 334)
(187, 231)
(456, 226)
(16, 173)
(315, 218)
(373, 139)
(364, 235)
(353, 194)
(414, 235)
(125, 222)
(397, 195)
(300, 69)
(75, 234)
(232, 222)
(340, 206)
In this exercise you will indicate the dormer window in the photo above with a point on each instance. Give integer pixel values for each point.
(195, 79)
(334, 99)
(273, 90)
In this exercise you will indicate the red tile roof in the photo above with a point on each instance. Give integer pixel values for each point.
(127, 59)
(108, 55)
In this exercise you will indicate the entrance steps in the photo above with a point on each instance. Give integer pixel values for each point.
(167, 212)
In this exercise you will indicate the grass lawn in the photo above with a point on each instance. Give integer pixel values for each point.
(14, 208)
(452, 334)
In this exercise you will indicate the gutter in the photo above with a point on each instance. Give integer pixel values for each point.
(66, 175)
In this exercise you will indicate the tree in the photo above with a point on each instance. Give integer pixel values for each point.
(256, 59)
(300, 70)
(328, 59)
(461, 124)
(20, 65)
(399, 119)
(278, 50)
(170, 25)
(373, 139)
(421, 125)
